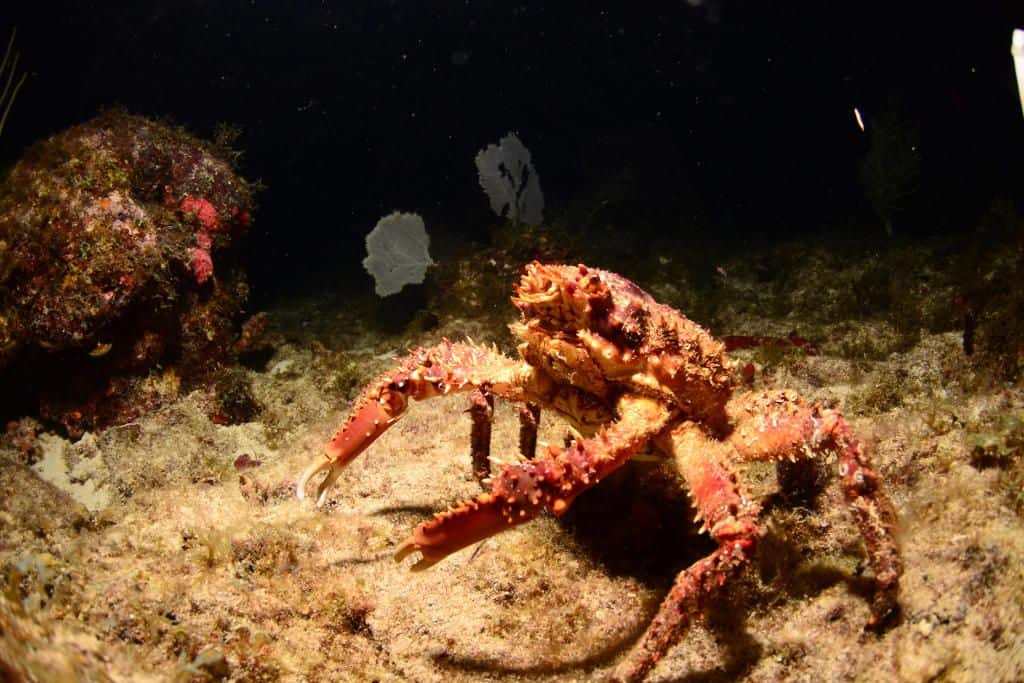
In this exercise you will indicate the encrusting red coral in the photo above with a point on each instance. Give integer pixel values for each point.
(205, 213)
(202, 264)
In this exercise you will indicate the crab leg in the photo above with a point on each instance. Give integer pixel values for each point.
(871, 507)
(553, 480)
(781, 426)
(425, 373)
(437, 371)
(481, 410)
(529, 420)
(728, 516)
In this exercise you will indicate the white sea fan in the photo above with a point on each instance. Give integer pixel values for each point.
(511, 182)
(398, 252)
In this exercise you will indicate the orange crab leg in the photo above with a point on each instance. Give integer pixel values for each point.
(553, 480)
(437, 371)
(362, 428)
(425, 373)
(871, 507)
(728, 515)
(453, 530)
(778, 425)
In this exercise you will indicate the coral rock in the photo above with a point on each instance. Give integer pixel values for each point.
(108, 235)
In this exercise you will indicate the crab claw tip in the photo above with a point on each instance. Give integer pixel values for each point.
(333, 472)
(409, 547)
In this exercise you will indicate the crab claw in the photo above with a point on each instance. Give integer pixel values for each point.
(463, 526)
(362, 429)
(333, 472)
(436, 371)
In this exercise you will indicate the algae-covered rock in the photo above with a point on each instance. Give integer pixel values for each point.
(117, 257)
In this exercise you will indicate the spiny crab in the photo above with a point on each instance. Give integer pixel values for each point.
(628, 373)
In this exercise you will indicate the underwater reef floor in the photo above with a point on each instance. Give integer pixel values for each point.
(173, 548)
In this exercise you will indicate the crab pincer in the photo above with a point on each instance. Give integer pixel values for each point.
(362, 428)
(519, 492)
(458, 528)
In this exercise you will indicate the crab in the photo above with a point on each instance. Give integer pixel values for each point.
(629, 374)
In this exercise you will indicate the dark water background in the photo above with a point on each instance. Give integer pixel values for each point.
(714, 116)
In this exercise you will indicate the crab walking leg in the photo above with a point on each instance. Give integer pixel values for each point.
(529, 421)
(519, 492)
(728, 516)
(437, 371)
(481, 411)
(781, 426)
(871, 507)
